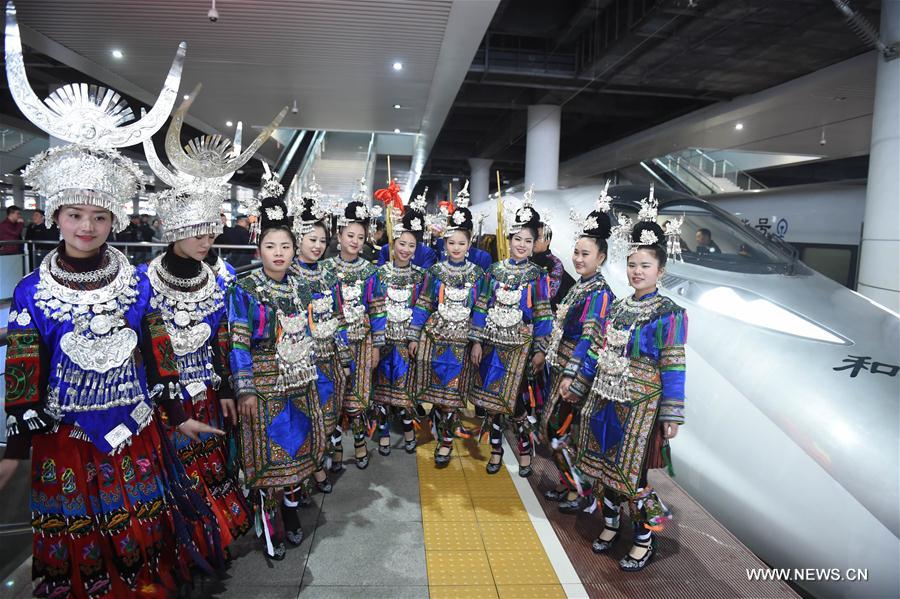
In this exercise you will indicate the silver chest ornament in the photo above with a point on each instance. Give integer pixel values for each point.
(184, 314)
(556, 336)
(97, 369)
(354, 310)
(399, 313)
(504, 317)
(293, 353)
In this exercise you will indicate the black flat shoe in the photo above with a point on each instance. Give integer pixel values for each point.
(280, 552)
(494, 468)
(337, 460)
(526, 470)
(324, 486)
(555, 495)
(295, 537)
(362, 462)
(410, 446)
(629, 564)
(600, 546)
(442, 460)
(573, 506)
(384, 449)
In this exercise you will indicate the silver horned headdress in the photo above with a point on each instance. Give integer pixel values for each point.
(193, 204)
(92, 119)
(589, 225)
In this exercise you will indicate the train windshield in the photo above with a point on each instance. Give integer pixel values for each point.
(715, 241)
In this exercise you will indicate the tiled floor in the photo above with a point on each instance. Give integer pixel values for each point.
(479, 540)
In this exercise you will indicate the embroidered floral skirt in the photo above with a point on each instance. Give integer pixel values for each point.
(330, 386)
(285, 443)
(497, 382)
(206, 464)
(443, 369)
(358, 392)
(615, 437)
(394, 377)
(113, 526)
(553, 403)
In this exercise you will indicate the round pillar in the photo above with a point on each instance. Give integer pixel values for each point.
(879, 268)
(479, 179)
(542, 147)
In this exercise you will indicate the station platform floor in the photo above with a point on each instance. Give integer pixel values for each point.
(402, 529)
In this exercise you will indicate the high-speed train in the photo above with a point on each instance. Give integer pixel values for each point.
(793, 427)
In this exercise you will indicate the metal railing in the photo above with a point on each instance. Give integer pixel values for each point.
(702, 165)
(242, 257)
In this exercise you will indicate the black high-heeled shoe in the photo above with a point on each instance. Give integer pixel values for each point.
(494, 467)
(384, 449)
(599, 546)
(362, 462)
(337, 459)
(630, 564)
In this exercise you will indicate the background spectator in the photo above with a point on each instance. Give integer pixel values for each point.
(11, 230)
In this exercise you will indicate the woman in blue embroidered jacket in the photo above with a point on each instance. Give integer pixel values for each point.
(87, 361)
(363, 309)
(438, 332)
(579, 319)
(274, 376)
(633, 377)
(191, 300)
(331, 349)
(510, 328)
(401, 281)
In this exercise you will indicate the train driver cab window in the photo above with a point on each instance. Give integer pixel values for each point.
(722, 242)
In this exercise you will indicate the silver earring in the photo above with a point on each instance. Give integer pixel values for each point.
(339, 246)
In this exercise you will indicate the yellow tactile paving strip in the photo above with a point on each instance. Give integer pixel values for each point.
(479, 541)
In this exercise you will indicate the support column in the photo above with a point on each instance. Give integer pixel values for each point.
(479, 179)
(542, 147)
(879, 266)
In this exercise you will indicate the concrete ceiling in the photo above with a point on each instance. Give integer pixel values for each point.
(619, 67)
(334, 58)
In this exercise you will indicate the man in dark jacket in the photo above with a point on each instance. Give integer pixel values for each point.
(11, 230)
(37, 231)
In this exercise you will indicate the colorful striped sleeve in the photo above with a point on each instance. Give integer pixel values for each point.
(671, 335)
(541, 312)
(485, 289)
(593, 316)
(424, 305)
(375, 305)
(242, 308)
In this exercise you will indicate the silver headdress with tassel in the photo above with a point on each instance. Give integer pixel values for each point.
(524, 215)
(92, 119)
(590, 223)
(309, 209)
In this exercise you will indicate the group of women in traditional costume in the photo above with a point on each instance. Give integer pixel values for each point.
(127, 384)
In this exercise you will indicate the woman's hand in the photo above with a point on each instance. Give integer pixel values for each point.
(192, 428)
(347, 372)
(413, 349)
(247, 407)
(475, 355)
(376, 351)
(229, 411)
(537, 362)
(564, 385)
(669, 429)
